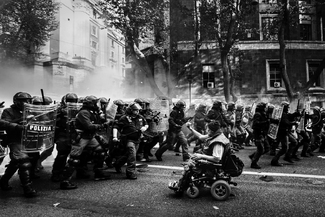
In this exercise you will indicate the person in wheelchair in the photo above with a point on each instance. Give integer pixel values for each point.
(212, 166)
(215, 142)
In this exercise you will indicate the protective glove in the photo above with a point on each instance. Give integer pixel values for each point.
(19, 128)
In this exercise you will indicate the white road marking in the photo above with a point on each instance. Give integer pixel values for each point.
(250, 172)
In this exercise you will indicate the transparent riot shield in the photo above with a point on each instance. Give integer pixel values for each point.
(273, 128)
(72, 111)
(160, 107)
(38, 133)
(111, 110)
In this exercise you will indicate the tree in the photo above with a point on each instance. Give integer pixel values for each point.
(287, 12)
(138, 20)
(25, 26)
(225, 22)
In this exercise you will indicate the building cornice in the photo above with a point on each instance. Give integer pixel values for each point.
(257, 45)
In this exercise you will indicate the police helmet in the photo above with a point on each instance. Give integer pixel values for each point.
(103, 100)
(231, 106)
(90, 101)
(118, 102)
(71, 97)
(22, 96)
(37, 100)
(180, 104)
(260, 106)
(239, 108)
(217, 104)
(134, 106)
(48, 100)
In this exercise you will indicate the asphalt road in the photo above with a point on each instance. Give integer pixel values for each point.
(296, 190)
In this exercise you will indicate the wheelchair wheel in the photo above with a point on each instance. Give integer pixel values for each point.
(192, 192)
(220, 190)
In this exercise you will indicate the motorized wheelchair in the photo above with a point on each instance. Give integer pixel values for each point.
(200, 174)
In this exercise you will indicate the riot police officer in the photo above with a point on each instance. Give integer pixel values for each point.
(176, 120)
(64, 136)
(18, 159)
(87, 125)
(260, 126)
(131, 126)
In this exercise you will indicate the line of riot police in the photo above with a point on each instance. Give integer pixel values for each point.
(86, 130)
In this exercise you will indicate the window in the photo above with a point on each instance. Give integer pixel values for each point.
(269, 29)
(94, 44)
(208, 74)
(112, 55)
(93, 58)
(94, 30)
(113, 44)
(305, 32)
(123, 50)
(312, 66)
(274, 78)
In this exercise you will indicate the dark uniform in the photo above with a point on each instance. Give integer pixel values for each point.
(64, 136)
(199, 125)
(286, 123)
(131, 126)
(216, 113)
(87, 125)
(18, 159)
(176, 120)
(260, 128)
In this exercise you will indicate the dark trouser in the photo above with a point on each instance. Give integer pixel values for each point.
(293, 143)
(18, 161)
(315, 140)
(171, 136)
(283, 139)
(304, 142)
(34, 157)
(76, 153)
(149, 145)
(63, 148)
(129, 157)
(262, 147)
(322, 144)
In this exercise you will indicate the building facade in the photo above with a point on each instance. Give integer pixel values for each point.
(82, 55)
(259, 62)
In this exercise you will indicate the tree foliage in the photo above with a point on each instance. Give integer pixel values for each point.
(224, 22)
(25, 26)
(138, 21)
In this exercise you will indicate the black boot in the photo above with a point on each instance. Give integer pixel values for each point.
(29, 191)
(67, 185)
(25, 178)
(254, 165)
(100, 175)
(12, 167)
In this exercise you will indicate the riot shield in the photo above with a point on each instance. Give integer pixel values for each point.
(273, 128)
(38, 133)
(111, 110)
(161, 107)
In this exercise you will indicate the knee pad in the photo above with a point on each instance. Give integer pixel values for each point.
(99, 153)
(25, 165)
